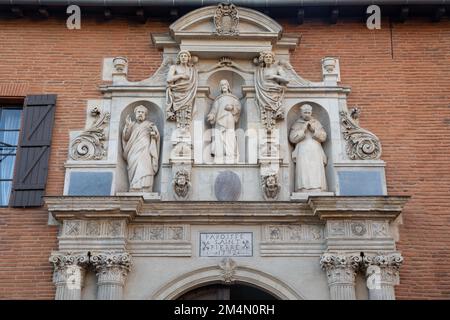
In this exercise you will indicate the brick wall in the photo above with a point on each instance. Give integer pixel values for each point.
(401, 84)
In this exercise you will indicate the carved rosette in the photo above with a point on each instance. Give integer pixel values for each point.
(68, 275)
(111, 267)
(341, 271)
(226, 19)
(270, 186)
(382, 272)
(228, 269)
(182, 184)
(361, 144)
(90, 144)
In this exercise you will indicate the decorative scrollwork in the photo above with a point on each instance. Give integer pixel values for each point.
(361, 144)
(89, 145)
(226, 20)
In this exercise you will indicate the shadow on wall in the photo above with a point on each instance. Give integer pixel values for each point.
(156, 116)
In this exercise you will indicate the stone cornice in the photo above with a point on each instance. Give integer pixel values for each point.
(67, 207)
(370, 207)
(134, 208)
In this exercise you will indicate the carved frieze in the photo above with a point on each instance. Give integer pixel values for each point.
(293, 233)
(157, 233)
(361, 144)
(226, 19)
(358, 229)
(91, 143)
(98, 228)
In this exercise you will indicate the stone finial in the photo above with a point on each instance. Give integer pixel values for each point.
(120, 65)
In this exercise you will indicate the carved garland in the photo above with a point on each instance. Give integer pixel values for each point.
(89, 145)
(226, 20)
(361, 144)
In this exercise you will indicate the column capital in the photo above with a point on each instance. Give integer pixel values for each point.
(62, 260)
(389, 260)
(111, 267)
(330, 261)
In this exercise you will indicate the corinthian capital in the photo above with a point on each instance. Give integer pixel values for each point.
(111, 267)
(333, 261)
(392, 260)
(62, 260)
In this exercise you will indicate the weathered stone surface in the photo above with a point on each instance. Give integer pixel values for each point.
(227, 186)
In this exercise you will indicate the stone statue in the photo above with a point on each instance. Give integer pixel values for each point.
(224, 114)
(181, 184)
(181, 89)
(308, 134)
(140, 141)
(270, 82)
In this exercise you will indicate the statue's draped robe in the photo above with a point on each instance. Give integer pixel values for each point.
(309, 156)
(141, 151)
(181, 93)
(224, 137)
(269, 94)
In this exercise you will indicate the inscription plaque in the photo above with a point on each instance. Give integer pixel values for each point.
(226, 244)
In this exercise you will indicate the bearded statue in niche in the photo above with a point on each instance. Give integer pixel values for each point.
(308, 135)
(181, 184)
(271, 187)
(140, 141)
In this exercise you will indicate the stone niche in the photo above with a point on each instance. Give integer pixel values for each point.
(354, 166)
(120, 244)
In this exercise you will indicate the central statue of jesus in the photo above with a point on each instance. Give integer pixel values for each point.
(224, 115)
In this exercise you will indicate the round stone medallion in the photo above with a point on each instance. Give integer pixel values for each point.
(227, 186)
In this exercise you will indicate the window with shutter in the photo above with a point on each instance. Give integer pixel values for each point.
(10, 116)
(33, 152)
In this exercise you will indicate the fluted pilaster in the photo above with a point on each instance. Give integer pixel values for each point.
(341, 271)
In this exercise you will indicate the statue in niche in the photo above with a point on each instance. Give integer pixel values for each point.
(181, 89)
(224, 114)
(140, 141)
(308, 134)
(270, 83)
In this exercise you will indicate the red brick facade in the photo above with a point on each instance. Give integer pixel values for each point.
(401, 84)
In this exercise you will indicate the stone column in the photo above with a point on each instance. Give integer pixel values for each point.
(68, 276)
(382, 275)
(341, 271)
(112, 269)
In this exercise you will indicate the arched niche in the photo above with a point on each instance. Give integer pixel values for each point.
(236, 82)
(154, 115)
(319, 113)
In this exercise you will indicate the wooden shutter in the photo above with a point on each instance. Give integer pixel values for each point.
(33, 153)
